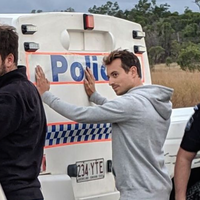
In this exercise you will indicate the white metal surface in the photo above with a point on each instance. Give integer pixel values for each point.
(108, 196)
(179, 119)
(2, 195)
(56, 187)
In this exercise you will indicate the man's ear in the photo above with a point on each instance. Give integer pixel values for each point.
(9, 60)
(133, 71)
(10, 63)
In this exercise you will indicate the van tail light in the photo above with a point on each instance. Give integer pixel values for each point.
(88, 22)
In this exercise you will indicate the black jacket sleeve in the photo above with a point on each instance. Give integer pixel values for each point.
(191, 138)
(10, 114)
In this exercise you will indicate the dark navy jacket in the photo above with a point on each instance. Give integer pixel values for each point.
(22, 136)
(191, 138)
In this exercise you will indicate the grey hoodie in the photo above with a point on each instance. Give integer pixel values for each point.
(140, 121)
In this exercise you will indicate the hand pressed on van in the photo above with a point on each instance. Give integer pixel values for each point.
(89, 82)
(42, 83)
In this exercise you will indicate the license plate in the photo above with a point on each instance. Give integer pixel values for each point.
(90, 170)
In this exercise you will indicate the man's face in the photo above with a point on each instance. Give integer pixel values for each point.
(2, 67)
(119, 80)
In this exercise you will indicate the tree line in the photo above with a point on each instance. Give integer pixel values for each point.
(170, 36)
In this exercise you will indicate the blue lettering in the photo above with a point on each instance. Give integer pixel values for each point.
(87, 61)
(73, 71)
(103, 73)
(95, 67)
(59, 65)
(55, 59)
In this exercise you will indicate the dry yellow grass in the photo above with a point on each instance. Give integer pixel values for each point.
(186, 84)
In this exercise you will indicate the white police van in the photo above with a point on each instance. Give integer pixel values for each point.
(77, 163)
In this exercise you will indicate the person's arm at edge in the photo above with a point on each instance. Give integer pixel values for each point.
(110, 112)
(97, 98)
(182, 172)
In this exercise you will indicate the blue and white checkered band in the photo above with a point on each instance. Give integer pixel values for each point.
(69, 133)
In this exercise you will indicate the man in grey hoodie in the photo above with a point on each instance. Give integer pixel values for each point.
(140, 119)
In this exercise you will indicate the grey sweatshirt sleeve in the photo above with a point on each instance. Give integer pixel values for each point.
(110, 112)
(98, 99)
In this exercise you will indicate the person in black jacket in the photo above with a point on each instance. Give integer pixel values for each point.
(189, 147)
(22, 124)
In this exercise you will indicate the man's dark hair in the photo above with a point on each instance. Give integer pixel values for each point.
(8, 42)
(128, 60)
